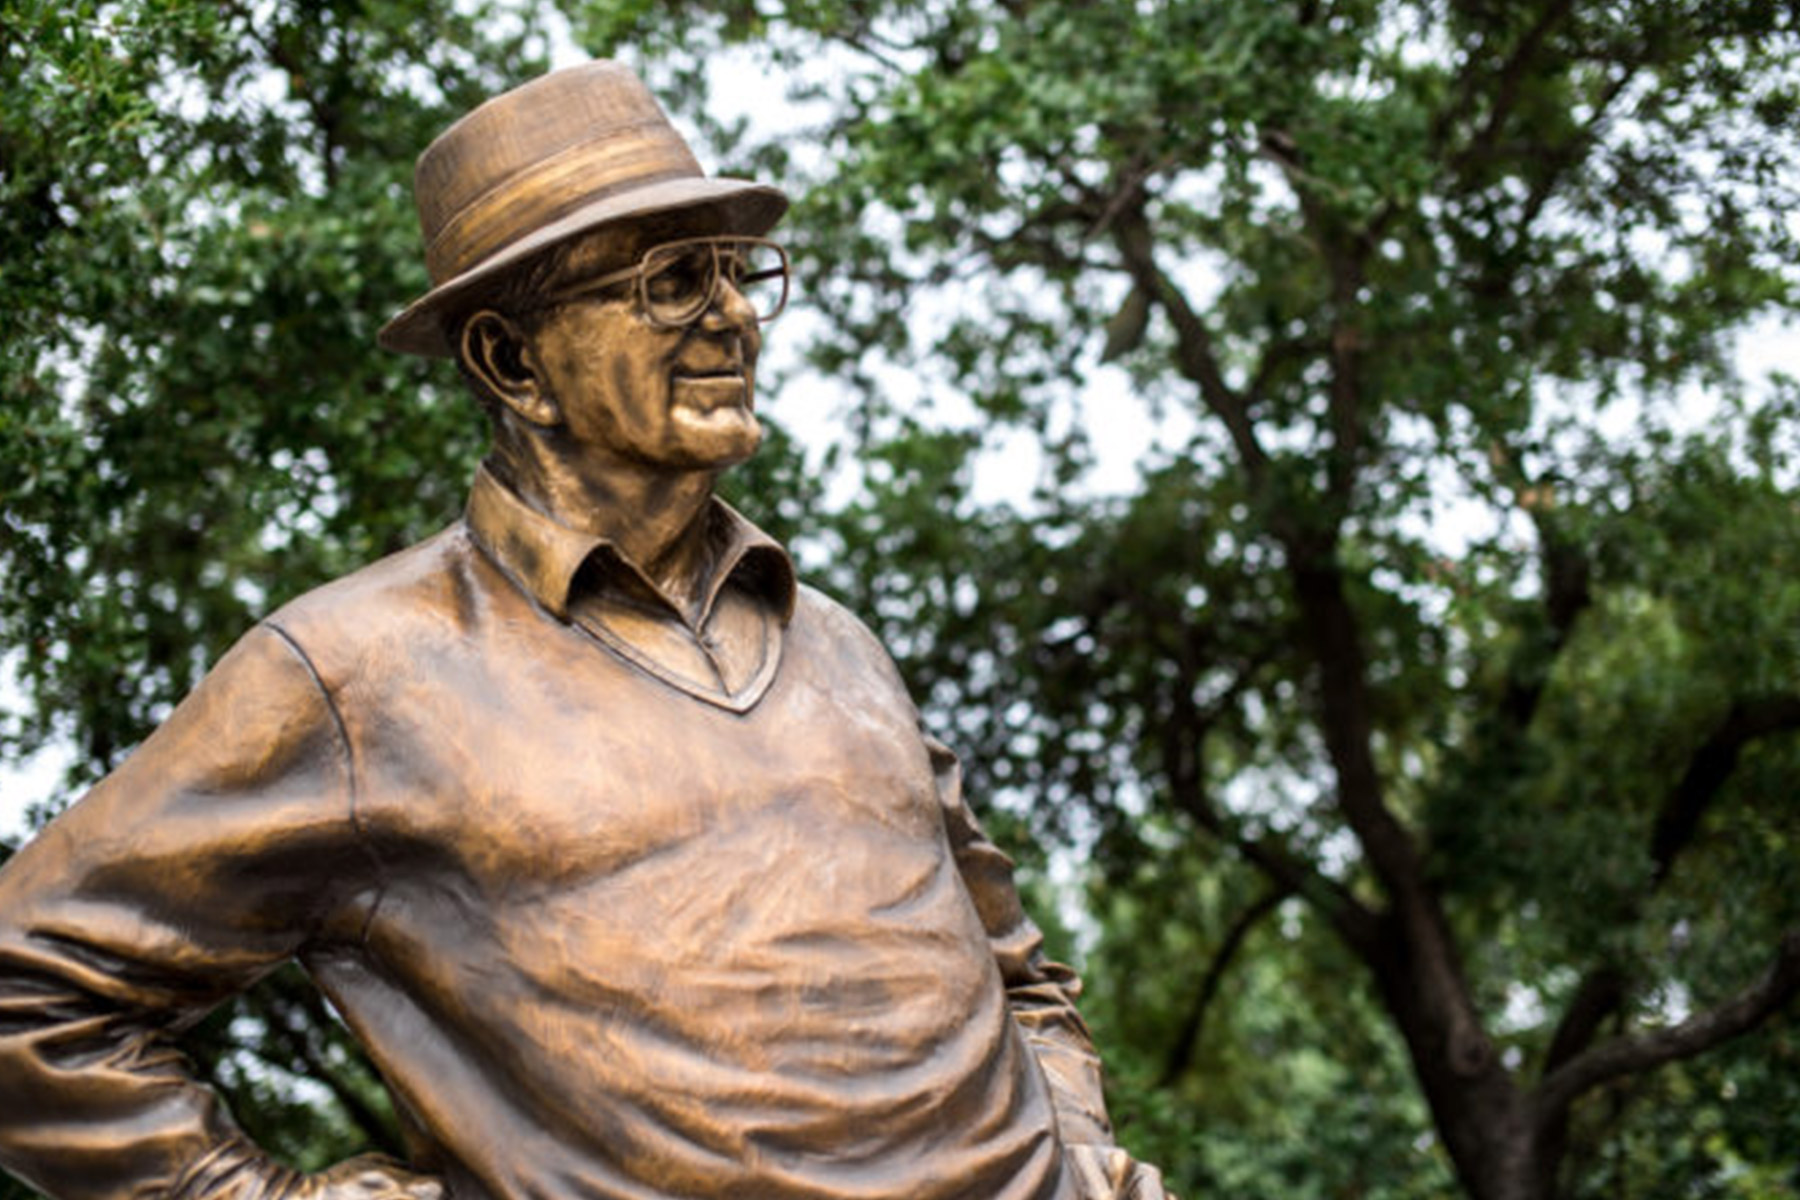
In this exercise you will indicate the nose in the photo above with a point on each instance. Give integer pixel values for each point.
(732, 318)
(728, 309)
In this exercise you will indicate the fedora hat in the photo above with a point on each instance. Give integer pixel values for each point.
(565, 154)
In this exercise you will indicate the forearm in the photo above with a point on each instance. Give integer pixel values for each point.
(241, 1172)
(95, 1102)
(1065, 1053)
(1041, 995)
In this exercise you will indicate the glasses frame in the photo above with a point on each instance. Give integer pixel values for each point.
(638, 275)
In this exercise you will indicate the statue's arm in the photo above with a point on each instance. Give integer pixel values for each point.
(1042, 996)
(1041, 993)
(216, 851)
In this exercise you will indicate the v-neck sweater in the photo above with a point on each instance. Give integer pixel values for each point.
(604, 938)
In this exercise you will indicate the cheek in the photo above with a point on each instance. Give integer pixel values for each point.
(624, 396)
(567, 357)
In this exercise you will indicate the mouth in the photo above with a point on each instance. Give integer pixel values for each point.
(712, 390)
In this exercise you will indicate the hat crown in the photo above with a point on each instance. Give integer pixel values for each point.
(526, 158)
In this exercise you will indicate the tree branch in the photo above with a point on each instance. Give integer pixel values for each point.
(301, 83)
(1345, 251)
(1187, 1038)
(1344, 397)
(1278, 353)
(864, 40)
(1677, 823)
(1128, 191)
(1646, 1051)
(1445, 1024)
(1183, 733)
(1357, 924)
(1597, 998)
(1554, 165)
(1344, 720)
(1709, 768)
(1567, 588)
(1507, 82)
(1568, 593)
(1440, 1022)
(1195, 355)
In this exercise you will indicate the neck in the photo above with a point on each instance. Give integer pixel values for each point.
(654, 516)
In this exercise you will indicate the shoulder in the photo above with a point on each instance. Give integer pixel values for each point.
(815, 610)
(434, 591)
(410, 586)
(818, 616)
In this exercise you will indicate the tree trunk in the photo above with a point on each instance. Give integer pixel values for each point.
(1490, 1128)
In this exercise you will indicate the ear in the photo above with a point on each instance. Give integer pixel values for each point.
(495, 350)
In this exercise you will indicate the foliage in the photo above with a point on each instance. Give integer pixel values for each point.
(1422, 715)
(1438, 613)
(208, 217)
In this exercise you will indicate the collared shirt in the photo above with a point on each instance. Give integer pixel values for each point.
(620, 908)
(728, 658)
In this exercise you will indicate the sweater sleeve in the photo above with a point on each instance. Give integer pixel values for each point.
(210, 856)
(1040, 993)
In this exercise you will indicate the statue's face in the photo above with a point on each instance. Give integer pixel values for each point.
(632, 390)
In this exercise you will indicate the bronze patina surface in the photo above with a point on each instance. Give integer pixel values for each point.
(620, 850)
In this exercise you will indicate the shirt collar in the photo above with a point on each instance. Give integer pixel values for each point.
(543, 556)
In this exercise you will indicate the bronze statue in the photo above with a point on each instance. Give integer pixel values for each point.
(619, 850)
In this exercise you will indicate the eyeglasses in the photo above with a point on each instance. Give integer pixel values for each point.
(676, 282)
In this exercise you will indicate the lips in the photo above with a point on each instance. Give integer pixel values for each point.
(712, 391)
(713, 376)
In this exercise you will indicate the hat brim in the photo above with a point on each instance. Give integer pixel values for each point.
(727, 205)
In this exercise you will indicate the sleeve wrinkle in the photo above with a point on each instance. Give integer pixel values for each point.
(337, 719)
(351, 796)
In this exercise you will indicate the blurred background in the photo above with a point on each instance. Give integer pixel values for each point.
(1327, 466)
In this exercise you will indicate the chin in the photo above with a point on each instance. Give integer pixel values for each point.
(718, 448)
(746, 447)
(717, 441)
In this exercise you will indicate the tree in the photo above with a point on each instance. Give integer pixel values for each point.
(1386, 262)
(207, 215)
(1405, 264)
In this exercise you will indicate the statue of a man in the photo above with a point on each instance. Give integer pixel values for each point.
(619, 851)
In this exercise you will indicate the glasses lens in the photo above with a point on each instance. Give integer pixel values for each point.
(678, 279)
(677, 283)
(759, 271)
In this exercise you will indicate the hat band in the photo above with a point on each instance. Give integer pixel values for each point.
(554, 187)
